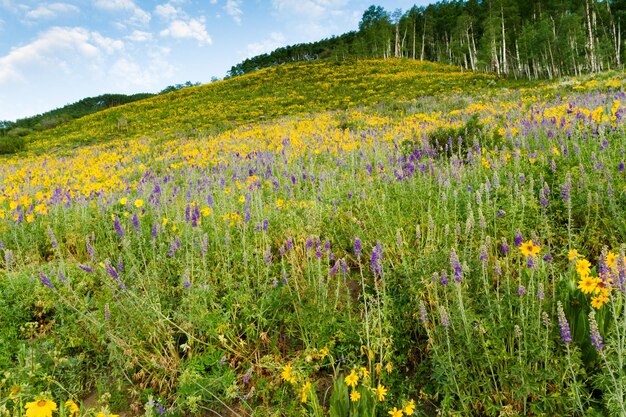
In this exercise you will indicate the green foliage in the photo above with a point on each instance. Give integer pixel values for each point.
(12, 144)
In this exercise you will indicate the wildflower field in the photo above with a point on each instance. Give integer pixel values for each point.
(367, 238)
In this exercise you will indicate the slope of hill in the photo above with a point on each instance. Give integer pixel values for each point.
(264, 95)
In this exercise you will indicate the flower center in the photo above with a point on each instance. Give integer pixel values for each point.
(41, 403)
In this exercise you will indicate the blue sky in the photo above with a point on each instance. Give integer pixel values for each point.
(54, 53)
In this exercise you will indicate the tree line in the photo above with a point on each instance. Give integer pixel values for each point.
(519, 38)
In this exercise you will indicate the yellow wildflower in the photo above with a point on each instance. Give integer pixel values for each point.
(72, 407)
(395, 412)
(529, 248)
(583, 267)
(352, 380)
(123, 201)
(598, 301)
(409, 408)
(355, 396)
(381, 392)
(573, 255)
(306, 388)
(286, 374)
(41, 408)
(587, 284)
(139, 203)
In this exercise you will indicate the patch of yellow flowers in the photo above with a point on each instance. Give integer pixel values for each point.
(599, 287)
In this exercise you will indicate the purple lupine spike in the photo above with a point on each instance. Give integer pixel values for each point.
(334, 269)
(504, 247)
(85, 268)
(327, 246)
(621, 167)
(530, 262)
(566, 188)
(455, 263)
(540, 292)
(445, 319)
(155, 231)
(53, 239)
(118, 227)
(376, 260)
(357, 247)
(566, 336)
(483, 255)
(120, 264)
(45, 280)
(90, 250)
(519, 239)
(268, 256)
(443, 277)
(62, 276)
(266, 223)
(110, 269)
(289, 244)
(135, 222)
(521, 290)
(594, 332)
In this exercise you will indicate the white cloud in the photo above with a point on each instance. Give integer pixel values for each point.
(50, 11)
(168, 12)
(139, 36)
(192, 29)
(233, 9)
(53, 49)
(138, 16)
(275, 40)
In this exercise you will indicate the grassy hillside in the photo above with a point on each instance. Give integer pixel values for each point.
(391, 238)
(265, 95)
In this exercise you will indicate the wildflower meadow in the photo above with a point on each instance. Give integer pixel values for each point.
(385, 238)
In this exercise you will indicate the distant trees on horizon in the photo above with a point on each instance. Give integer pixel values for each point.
(520, 38)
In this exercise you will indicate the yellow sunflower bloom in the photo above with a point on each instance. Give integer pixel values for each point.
(409, 408)
(355, 396)
(72, 407)
(352, 380)
(573, 255)
(41, 408)
(599, 301)
(583, 267)
(587, 284)
(395, 412)
(381, 392)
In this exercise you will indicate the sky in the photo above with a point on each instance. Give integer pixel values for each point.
(54, 53)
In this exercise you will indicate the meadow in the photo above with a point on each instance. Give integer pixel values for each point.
(367, 238)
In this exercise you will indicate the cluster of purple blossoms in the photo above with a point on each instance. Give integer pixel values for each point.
(566, 336)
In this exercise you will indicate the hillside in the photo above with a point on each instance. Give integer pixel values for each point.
(372, 238)
(264, 95)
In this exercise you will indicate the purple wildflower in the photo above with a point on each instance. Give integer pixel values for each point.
(376, 260)
(334, 269)
(547, 257)
(110, 269)
(357, 247)
(90, 250)
(621, 167)
(519, 239)
(483, 255)
(62, 276)
(566, 188)
(500, 214)
(445, 319)
(118, 227)
(594, 332)
(45, 280)
(154, 231)
(540, 292)
(521, 290)
(268, 256)
(85, 268)
(456, 266)
(443, 278)
(530, 262)
(53, 238)
(135, 222)
(566, 336)
(504, 247)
